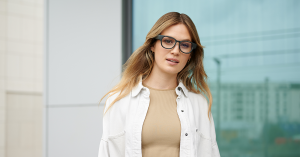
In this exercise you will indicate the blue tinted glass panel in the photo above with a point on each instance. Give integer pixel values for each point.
(256, 84)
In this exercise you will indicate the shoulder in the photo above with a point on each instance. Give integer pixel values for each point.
(198, 98)
(110, 99)
(116, 106)
(199, 103)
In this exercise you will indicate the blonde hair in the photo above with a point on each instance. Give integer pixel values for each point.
(140, 63)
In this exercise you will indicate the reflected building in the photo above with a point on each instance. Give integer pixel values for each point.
(247, 107)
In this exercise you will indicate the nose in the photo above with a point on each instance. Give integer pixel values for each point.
(175, 50)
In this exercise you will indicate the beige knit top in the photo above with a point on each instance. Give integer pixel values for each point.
(161, 128)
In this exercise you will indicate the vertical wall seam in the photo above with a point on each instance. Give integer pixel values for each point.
(46, 68)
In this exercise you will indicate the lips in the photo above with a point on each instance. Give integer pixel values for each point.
(173, 60)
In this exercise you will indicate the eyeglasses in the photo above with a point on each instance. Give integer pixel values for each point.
(168, 42)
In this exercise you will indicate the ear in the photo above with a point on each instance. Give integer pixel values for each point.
(152, 48)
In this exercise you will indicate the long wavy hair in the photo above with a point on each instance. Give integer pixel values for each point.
(140, 63)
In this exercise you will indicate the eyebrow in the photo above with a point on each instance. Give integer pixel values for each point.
(186, 40)
(180, 40)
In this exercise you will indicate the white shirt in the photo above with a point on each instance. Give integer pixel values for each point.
(123, 122)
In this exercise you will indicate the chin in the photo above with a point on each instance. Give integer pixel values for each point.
(172, 71)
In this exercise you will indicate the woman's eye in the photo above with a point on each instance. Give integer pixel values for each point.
(168, 41)
(185, 45)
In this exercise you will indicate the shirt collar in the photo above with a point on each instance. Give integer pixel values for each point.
(180, 88)
(136, 90)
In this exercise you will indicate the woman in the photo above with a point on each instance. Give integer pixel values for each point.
(158, 109)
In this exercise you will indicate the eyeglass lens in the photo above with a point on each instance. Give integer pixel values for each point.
(168, 43)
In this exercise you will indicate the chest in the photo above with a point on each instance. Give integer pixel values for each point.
(127, 125)
(186, 129)
(161, 127)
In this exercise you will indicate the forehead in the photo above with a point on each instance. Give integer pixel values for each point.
(178, 31)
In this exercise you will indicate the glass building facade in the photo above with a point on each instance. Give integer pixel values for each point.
(252, 58)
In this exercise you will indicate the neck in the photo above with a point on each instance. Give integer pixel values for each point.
(160, 80)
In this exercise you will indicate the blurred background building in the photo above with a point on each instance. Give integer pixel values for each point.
(21, 77)
(59, 57)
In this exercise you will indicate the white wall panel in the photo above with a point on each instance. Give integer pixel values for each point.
(84, 49)
(82, 63)
(74, 131)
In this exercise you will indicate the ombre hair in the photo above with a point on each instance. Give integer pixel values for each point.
(140, 63)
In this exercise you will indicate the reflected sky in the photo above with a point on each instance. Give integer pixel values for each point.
(253, 39)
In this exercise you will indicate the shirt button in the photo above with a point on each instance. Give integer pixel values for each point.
(182, 110)
(196, 130)
(186, 134)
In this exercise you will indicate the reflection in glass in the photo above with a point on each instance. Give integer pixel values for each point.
(252, 58)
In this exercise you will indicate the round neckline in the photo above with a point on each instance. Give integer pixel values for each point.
(158, 89)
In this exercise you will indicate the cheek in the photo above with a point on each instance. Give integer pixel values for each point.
(155, 47)
(158, 56)
(160, 53)
(186, 58)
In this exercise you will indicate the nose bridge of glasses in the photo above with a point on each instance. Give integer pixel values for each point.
(176, 48)
(176, 41)
(176, 44)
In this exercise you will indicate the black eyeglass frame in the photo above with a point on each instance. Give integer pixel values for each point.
(160, 37)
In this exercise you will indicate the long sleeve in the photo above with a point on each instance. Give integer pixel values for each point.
(103, 149)
(215, 151)
(112, 143)
(215, 148)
